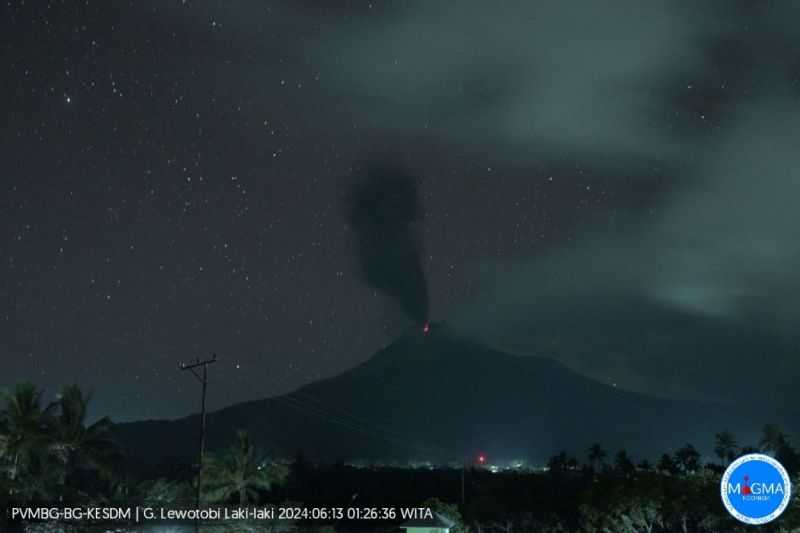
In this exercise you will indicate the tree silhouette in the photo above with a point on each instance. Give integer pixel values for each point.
(22, 429)
(165, 491)
(726, 447)
(449, 511)
(573, 463)
(79, 446)
(623, 463)
(557, 464)
(772, 438)
(634, 515)
(687, 459)
(667, 464)
(597, 455)
(239, 473)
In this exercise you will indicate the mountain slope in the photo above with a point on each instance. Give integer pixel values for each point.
(441, 397)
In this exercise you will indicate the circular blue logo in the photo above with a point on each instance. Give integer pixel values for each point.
(755, 489)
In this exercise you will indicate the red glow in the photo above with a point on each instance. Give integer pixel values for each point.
(426, 328)
(481, 459)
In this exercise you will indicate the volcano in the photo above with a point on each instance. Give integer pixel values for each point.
(436, 395)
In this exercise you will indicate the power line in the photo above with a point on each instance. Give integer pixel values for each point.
(353, 423)
(345, 413)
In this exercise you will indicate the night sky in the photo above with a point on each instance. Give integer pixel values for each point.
(611, 185)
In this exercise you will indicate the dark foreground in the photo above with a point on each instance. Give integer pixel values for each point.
(603, 497)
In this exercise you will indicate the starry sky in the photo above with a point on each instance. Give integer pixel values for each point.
(610, 185)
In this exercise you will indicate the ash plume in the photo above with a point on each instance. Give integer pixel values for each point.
(383, 209)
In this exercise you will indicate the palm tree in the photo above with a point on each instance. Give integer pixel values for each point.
(773, 439)
(4, 439)
(22, 428)
(237, 472)
(623, 463)
(687, 459)
(38, 479)
(597, 455)
(557, 464)
(726, 446)
(76, 444)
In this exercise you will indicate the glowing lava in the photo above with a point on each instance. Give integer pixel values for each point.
(426, 328)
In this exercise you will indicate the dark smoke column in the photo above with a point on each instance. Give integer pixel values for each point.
(383, 209)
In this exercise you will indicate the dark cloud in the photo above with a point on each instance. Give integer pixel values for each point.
(610, 184)
(703, 288)
(384, 210)
(703, 93)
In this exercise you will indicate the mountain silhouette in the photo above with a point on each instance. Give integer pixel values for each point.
(441, 397)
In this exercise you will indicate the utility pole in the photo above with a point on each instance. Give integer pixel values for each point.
(463, 484)
(203, 379)
(468, 462)
(463, 469)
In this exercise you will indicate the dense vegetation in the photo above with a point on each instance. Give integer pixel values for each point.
(50, 452)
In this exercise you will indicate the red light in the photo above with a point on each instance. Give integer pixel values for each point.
(426, 328)
(481, 459)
